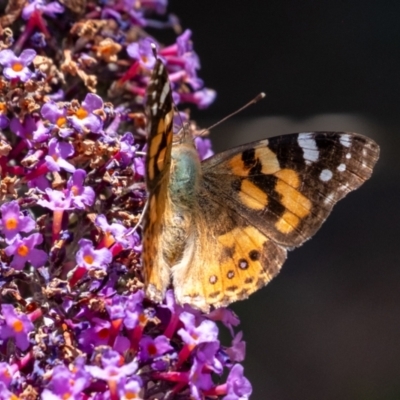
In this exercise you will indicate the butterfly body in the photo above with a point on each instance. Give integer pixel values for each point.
(220, 229)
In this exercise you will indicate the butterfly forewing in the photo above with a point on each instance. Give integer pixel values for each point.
(159, 111)
(287, 185)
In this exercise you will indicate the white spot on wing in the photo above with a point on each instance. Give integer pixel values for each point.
(341, 167)
(309, 147)
(345, 140)
(154, 109)
(348, 156)
(329, 198)
(325, 175)
(164, 92)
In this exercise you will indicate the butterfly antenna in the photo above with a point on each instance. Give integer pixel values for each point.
(256, 99)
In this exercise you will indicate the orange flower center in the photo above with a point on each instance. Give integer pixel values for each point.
(61, 122)
(11, 223)
(88, 259)
(3, 107)
(130, 395)
(18, 326)
(81, 113)
(17, 67)
(75, 190)
(23, 250)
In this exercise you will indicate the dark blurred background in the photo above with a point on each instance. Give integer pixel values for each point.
(328, 326)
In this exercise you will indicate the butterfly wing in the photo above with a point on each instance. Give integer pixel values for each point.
(231, 258)
(159, 110)
(286, 186)
(260, 199)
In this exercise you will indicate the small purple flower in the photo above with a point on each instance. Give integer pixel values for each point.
(202, 98)
(81, 196)
(159, 6)
(89, 257)
(30, 130)
(203, 147)
(67, 383)
(13, 221)
(138, 163)
(150, 348)
(5, 394)
(143, 52)
(23, 250)
(6, 373)
(17, 67)
(41, 183)
(58, 152)
(128, 149)
(57, 200)
(58, 117)
(112, 369)
(192, 335)
(84, 118)
(49, 9)
(238, 386)
(237, 351)
(198, 380)
(130, 389)
(97, 334)
(16, 326)
(115, 229)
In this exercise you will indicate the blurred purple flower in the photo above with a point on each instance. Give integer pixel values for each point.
(81, 196)
(57, 200)
(89, 257)
(50, 9)
(58, 117)
(17, 67)
(143, 52)
(23, 250)
(58, 152)
(15, 326)
(13, 221)
(84, 119)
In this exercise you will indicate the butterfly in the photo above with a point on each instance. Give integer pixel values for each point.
(220, 229)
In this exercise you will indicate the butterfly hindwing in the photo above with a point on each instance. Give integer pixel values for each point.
(232, 259)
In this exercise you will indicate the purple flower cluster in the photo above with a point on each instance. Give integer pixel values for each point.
(74, 321)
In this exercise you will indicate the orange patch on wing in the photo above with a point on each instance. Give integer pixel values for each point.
(252, 196)
(238, 167)
(150, 169)
(153, 209)
(161, 159)
(268, 159)
(293, 200)
(289, 176)
(287, 223)
(155, 145)
(161, 127)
